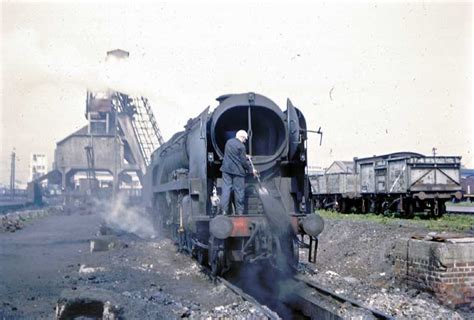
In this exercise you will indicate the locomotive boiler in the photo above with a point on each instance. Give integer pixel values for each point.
(183, 184)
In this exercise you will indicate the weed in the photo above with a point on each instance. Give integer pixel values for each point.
(448, 222)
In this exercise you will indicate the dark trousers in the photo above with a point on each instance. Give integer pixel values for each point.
(237, 184)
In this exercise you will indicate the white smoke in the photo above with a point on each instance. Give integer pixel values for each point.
(119, 215)
(32, 61)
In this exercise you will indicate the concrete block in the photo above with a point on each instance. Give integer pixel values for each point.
(440, 267)
(401, 249)
(440, 253)
(104, 243)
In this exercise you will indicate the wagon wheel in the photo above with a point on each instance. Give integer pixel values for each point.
(317, 204)
(343, 207)
(385, 208)
(364, 206)
(378, 207)
(409, 209)
(442, 207)
(372, 206)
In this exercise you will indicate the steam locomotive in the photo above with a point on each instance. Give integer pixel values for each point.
(183, 183)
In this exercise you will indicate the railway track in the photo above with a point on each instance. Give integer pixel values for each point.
(317, 302)
(304, 299)
(262, 308)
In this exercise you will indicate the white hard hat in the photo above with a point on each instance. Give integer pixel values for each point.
(241, 134)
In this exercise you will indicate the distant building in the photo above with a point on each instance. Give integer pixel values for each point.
(38, 165)
(341, 167)
(112, 151)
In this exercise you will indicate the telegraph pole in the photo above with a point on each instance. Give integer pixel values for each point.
(434, 159)
(12, 174)
(115, 185)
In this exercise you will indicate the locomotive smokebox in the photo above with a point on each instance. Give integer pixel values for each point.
(221, 227)
(256, 114)
(312, 224)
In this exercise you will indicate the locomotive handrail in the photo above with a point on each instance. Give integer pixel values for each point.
(314, 131)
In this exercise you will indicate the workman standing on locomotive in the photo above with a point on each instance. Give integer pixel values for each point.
(234, 168)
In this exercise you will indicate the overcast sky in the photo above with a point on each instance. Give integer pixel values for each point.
(399, 74)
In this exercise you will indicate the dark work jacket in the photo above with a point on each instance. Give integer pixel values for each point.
(235, 162)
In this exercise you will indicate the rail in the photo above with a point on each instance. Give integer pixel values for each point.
(262, 308)
(326, 311)
(304, 298)
(309, 299)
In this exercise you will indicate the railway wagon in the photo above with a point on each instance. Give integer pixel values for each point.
(183, 183)
(404, 182)
(408, 182)
(335, 190)
(467, 183)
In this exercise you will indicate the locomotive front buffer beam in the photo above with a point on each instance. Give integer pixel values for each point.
(255, 229)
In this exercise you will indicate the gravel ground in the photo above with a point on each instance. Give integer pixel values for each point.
(354, 261)
(49, 261)
(48, 265)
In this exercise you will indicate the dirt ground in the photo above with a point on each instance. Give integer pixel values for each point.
(354, 260)
(49, 260)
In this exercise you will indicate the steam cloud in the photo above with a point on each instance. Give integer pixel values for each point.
(33, 63)
(119, 215)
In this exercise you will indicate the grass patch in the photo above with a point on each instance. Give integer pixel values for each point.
(449, 222)
(361, 217)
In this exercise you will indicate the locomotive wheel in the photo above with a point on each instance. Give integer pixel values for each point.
(216, 257)
(201, 256)
(293, 254)
(217, 263)
(296, 253)
(181, 241)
